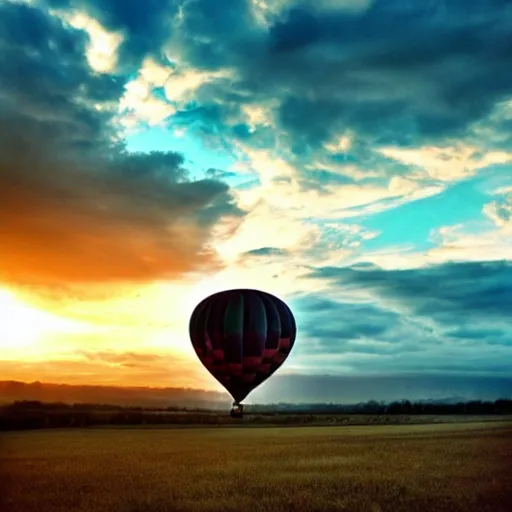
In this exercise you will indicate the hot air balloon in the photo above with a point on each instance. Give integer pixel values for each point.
(242, 337)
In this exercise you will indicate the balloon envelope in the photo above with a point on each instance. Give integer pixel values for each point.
(242, 337)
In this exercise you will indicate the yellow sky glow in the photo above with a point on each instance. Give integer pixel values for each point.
(24, 328)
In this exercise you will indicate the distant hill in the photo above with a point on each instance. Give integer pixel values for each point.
(11, 391)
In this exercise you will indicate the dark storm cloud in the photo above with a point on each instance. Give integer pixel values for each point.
(212, 35)
(146, 25)
(491, 335)
(394, 72)
(448, 318)
(397, 72)
(74, 206)
(450, 293)
(332, 320)
(394, 67)
(46, 88)
(454, 309)
(343, 327)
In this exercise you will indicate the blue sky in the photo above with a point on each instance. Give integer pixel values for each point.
(201, 157)
(352, 157)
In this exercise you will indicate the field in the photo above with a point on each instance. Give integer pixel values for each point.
(451, 467)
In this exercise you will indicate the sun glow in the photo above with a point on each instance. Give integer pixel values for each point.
(24, 326)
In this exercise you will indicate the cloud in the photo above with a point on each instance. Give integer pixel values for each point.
(468, 222)
(102, 49)
(112, 368)
(112, 225)
(141, 361)
(313, 70)
(334, 332)
(268, 251)
(267, 12)
(500, 212)
(138, 104)
(74, 206)
(317, 97)
(312, 74)
(144, 26)
(447, 163)
(474, 291)
(461, 243)
(336, 117)
(407, 86)
(479, 241)
(453, 317)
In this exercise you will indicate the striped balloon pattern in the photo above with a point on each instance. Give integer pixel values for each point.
(242, 337)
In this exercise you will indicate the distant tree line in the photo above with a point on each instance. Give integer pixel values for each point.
(125, 396)
(474, 407)
(23, 415)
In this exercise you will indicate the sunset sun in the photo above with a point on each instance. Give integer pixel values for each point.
(24, 327)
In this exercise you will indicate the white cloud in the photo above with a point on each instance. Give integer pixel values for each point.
(139, 104)
(339, 144)
(268, 166)
(181, 85)
(447, 163)
(280, 188)
(472, 241)
(266, 227)
(491, 245)
(258, 115)
(502, 191)
(286, 216)
(154, 73)
(354, 172)
(401, 186)
(103, 45)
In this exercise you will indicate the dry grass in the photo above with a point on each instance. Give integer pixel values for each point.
(450, 467)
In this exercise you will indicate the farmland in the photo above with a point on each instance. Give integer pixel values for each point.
(455, 466)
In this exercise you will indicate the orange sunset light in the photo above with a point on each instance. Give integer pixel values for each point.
(24, 328)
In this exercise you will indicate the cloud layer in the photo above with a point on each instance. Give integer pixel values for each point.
(75, 206)
(446, 318)
(360, 168)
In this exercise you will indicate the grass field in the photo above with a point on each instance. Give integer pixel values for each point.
(448, 467)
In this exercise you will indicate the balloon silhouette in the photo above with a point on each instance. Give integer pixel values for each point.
(242, 337)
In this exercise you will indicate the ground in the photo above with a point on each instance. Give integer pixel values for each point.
(450, 467)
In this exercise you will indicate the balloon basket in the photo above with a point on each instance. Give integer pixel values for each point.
(237, 411)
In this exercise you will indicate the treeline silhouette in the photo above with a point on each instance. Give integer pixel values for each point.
(126, 396)
(436, 407)
(24, 415)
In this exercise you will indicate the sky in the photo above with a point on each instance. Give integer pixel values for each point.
(352, 157)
